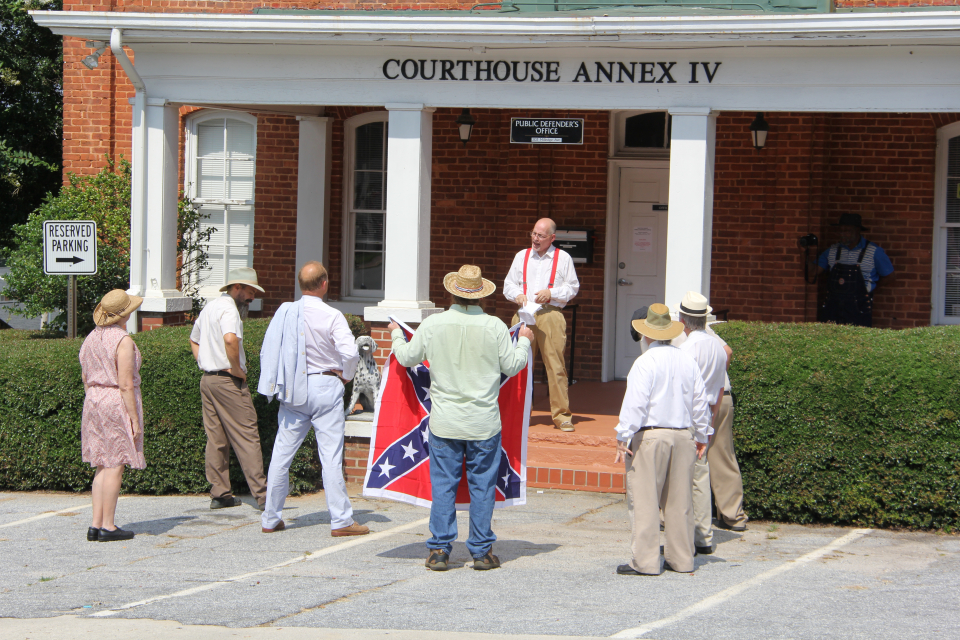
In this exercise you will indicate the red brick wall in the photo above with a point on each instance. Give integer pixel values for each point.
(815, 167)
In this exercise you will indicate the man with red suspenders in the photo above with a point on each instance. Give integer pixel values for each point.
(544, 275)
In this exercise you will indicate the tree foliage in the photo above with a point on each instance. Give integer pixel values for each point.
(103, 198)
(31, 111)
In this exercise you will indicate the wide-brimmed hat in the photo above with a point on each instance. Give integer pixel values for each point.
(850, 220)
(658, 325)
(467, 283)
(693, 304)
(117, 305)
(243, 275)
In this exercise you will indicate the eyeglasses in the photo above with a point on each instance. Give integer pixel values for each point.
(534, 234)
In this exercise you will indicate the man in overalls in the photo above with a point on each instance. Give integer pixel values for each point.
(855, 267)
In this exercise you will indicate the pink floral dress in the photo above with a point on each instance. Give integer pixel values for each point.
(105, 432)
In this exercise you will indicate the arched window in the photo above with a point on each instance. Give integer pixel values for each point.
(365, 204)
(220, 172)
(946, 236)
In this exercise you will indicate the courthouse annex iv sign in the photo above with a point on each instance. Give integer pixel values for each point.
(551, 71)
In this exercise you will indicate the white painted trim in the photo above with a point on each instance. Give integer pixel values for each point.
(938, 265)
(350, 305)
(346, 248)
(486, 29)
(611, 242)
(404, 314)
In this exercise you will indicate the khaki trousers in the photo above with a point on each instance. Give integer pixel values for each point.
(724, 475)
(231, 421)
(550, 339)
(660, 475)
(702, 506)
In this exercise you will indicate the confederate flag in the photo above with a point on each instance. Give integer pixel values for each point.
(399, 463)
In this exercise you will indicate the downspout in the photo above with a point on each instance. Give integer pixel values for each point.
(138, 179)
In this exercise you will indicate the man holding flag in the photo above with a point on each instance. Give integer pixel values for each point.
(468, 351)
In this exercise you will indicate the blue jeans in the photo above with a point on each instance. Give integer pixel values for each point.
(446, 466)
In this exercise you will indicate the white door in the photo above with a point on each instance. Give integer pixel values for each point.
(641, 254)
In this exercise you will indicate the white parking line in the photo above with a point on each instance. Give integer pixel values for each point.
(726, 594)
(310, 555)
(49, 514)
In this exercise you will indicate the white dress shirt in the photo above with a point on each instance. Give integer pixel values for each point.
(329, 343)
(218, 318)
(665, 389)
(565, 285)
(680, 339)
(712, 360)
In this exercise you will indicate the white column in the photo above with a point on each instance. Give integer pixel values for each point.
(313, 192)
(407, 241)
(690, 214)
(158, 271)
(137, 191)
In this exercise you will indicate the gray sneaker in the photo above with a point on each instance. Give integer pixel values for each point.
(438, 559)
(487, 562)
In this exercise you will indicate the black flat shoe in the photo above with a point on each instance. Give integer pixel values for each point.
(93, 534)
(627, 570)
(703, 551)
(116, 534)
(225, 503)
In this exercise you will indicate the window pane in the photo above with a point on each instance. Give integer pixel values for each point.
(240, 225)
(368, 270)
(215, 219)
(647, 130)
(368, 232)
(369, 149)
(213, 275)
(368, 190)
(953, 181)
(951, 298)
(239, 257)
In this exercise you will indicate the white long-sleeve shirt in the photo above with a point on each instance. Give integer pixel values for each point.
(712, 360)
(665, 389)
(329, 343)
(565, 285)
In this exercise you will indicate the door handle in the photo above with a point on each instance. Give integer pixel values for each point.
(623, 283)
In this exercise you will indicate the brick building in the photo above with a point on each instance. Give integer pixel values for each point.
(329, 130)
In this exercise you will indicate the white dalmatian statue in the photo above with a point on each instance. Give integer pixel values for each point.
(366, 383)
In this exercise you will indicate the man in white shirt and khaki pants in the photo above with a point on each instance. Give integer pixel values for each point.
(228, 414)
(664, 427)
(712, 360)
(544, 275)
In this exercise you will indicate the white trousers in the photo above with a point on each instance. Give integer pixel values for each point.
(324, 411)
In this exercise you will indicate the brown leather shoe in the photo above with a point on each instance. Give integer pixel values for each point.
(353, 530)
(279, 527)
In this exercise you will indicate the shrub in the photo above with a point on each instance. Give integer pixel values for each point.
(847, 425)
(41, 404)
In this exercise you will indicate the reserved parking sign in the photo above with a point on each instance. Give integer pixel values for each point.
(70, 247)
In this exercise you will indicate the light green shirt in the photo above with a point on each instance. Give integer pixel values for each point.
(467, 351)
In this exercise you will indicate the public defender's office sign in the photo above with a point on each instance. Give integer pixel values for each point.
(70, 247)
(546, 130)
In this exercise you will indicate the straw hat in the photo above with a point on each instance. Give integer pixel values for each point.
(694, 304)
(117, 305)
(243, 275)
(467, 283)
(658, 325)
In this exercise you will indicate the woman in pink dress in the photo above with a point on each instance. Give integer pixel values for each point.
(112, 425)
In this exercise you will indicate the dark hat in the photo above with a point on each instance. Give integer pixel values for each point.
(639, 314)
(850, 220)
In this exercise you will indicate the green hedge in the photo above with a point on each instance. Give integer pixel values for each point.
(848, 425)
(833, 424)
(41, 402)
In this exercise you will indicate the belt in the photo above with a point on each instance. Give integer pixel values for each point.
(330, 373)
(677, 428)
(225, 374)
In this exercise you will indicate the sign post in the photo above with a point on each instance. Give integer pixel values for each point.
(70, 249)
